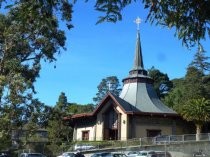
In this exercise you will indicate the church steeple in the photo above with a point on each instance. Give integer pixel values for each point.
(138, 87)
(138, 60)
(138, 67)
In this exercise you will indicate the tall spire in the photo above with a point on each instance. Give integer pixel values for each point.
(138, 87)
(138, 60)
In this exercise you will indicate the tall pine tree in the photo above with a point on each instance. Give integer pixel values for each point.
(108, 84)
(201, 61)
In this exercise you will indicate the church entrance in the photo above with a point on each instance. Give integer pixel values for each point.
(111, 125)
(113, 134)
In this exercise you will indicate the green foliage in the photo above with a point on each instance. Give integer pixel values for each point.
(57, 130)
(58, 133)
(75, 108)
(5, 140)
(193, 83)
(62, 103)
(188, 18)
(197, 111)
(53, 149)
(29, 117)
(190, 95)
(174, 99)
(162, 84)
(206, 81)
(200, 61)
(108, 84)
(29, 34)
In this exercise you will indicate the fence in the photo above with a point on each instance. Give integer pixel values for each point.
(148, 141)
(179, 144)
(174, 139)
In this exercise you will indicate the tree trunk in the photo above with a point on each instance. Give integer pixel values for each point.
(198, 131)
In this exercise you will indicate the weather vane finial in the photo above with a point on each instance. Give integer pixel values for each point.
(137, 21)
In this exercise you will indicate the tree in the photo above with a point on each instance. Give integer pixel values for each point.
(59, 132)
(29, 34)
(5, 138)
(206, 82)
(62, 103)
(188, 18)
(110, 84)
(194, 86)
(33, 119)
(190, 97)
(75, 108)
(174, 99)
(197, 111)
(162, 84)
(200, 61)
(175, 96)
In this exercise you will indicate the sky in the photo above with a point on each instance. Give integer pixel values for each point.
(95, 52)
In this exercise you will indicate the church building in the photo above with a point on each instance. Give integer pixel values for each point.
(136, 112)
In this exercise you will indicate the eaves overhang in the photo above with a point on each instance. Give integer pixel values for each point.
(154, 114)
(99, 107)
(105, 100)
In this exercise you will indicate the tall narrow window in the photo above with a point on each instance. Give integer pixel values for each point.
(113, 121)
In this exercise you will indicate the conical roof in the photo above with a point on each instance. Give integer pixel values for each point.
(138, 87)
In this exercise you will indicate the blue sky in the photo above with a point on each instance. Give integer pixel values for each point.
(95, 52)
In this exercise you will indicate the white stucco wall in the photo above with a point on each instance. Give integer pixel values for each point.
(141, 130)
(124, 124)
(99, 128)
(91, 130)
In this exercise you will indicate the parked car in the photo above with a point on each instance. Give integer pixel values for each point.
(83, 147)
(200, 153)
(101, 154)
(31, 155)
(4, 155)
(145, 153)
(67, 154)
(132, 153)
(118, 155)
(109, 154)
(162, 154)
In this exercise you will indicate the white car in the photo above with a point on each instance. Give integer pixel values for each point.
(132, 153)
(67, 154)
(145, 153)
(83, 147)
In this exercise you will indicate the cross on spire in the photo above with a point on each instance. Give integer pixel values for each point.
(109, 86)
(137, 21)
